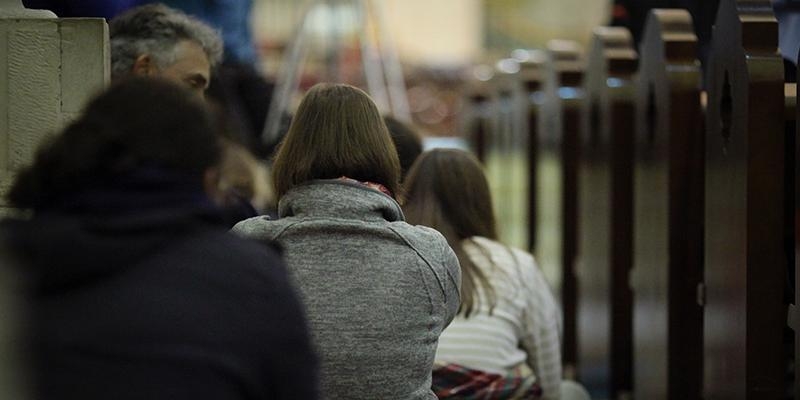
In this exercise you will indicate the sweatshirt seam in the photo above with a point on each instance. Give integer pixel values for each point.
(425, 259)
(282, 230)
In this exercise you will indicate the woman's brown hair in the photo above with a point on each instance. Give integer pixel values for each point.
(447, 190)
(336, 131)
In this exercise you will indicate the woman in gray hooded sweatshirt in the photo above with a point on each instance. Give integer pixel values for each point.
(378, 292)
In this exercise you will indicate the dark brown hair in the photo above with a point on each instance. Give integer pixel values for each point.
(447, 190)
(407, 141)
(336, 131)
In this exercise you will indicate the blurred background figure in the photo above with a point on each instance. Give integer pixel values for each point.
(508, 326)
(138, 290)
(407, 141)
(244, 178)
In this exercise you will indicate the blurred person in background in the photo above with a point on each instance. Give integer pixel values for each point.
(138, 290)
(407, 141)
(247, 180)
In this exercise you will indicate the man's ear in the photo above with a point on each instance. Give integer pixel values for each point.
(211, 178)
(144, 66)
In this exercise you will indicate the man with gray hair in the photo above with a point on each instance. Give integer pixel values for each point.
(155, 40)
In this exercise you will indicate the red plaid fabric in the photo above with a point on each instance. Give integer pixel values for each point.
(453, 381)
(371, 185)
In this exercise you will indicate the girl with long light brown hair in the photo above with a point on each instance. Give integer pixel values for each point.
(508, 323)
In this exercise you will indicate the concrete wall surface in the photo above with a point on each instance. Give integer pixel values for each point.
(49, 68)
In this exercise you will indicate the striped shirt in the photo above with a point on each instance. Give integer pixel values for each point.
(524, 327)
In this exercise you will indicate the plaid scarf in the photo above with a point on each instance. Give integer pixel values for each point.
(453, 381)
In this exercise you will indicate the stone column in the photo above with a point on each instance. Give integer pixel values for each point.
(49, 68)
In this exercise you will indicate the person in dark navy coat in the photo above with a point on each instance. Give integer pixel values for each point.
(137, 290)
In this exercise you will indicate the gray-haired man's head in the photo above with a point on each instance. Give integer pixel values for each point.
(155, 40)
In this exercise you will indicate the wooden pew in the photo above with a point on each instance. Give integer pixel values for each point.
(532, 65)
(794, 317)
(556, 180)
(668, 228)
(505, 159)
(604, 328)
(790, 209)
(745, 316)
(475, 119)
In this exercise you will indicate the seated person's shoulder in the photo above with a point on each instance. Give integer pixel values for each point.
(418, 233)
(248, 247)
(233, 255)
(262, 227)
(424, 239)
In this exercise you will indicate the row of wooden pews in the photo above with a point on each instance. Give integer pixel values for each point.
(660, 199)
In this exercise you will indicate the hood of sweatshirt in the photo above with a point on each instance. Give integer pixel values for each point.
(99, 232)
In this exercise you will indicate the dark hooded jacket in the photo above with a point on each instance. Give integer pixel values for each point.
(144, 295)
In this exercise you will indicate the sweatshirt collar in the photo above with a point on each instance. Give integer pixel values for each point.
(338, 198)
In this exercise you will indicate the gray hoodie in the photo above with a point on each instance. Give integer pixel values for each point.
(377, 291)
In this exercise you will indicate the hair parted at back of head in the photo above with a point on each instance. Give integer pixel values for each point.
(447, 190)
(155, 29)
(136, 123)
(337, 131)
